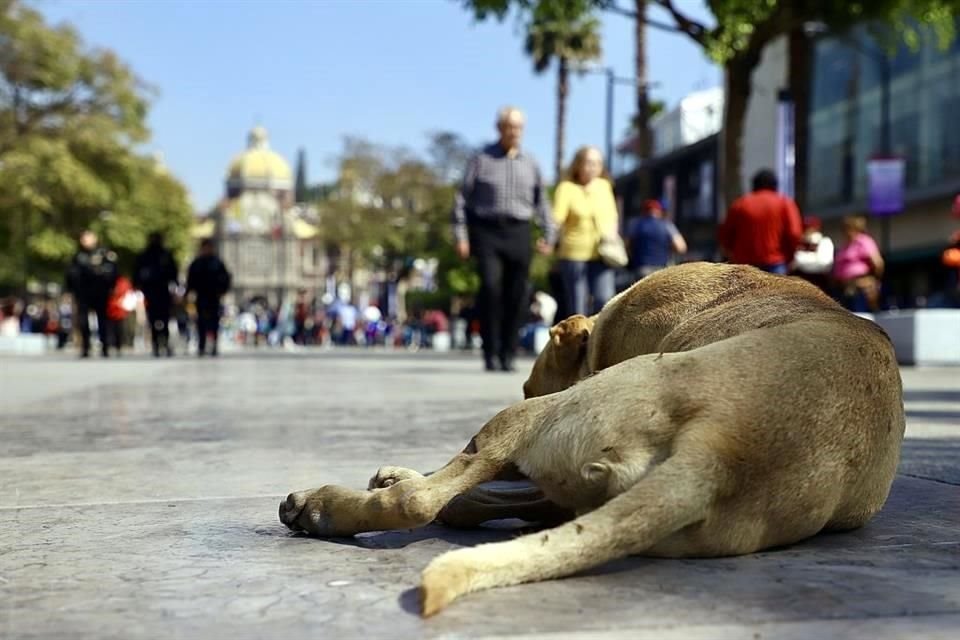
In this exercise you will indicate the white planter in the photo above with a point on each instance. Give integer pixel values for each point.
(24, 344)
(924, 336)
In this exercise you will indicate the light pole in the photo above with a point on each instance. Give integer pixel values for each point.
(612, 81)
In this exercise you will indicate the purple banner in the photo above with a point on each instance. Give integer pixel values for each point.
(885, 184)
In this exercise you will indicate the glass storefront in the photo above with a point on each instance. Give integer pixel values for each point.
(845, 121)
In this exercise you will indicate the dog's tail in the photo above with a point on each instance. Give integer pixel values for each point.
(672, 496)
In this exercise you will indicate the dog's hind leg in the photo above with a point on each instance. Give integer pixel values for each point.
(482, 504)
(521, 500)
(416, 501)
(672, 496)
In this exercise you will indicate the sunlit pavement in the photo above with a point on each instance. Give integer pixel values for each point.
(138, 499)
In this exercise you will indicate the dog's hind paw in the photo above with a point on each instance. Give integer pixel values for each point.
(442, 582)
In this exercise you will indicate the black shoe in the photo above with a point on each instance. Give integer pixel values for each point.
(506, 364)
(85, 354)
(488, 364)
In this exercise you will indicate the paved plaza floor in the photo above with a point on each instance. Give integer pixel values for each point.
(138, 499)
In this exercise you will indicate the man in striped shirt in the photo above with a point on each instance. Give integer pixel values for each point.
(502, 191)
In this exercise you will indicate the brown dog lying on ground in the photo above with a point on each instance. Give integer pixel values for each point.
(709, 410)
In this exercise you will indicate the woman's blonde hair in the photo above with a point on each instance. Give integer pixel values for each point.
(855, 223)
(579, 158)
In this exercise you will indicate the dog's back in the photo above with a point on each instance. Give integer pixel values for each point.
(695, 304)
(679, 309)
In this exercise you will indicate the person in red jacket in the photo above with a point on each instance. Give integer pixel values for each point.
(762, 228)
(121, 302)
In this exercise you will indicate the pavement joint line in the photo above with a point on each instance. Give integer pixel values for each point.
(929, 479)
(120, 503)
(732, 625)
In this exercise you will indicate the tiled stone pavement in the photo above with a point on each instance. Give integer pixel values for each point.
(138, 500)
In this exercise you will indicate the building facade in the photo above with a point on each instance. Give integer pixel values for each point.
(268, 241)
(682, 174)
(846, 132)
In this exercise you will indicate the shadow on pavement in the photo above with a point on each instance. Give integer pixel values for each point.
(934, 415)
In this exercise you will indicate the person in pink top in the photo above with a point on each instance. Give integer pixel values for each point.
(858, 267)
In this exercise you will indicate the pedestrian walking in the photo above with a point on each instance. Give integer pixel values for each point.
(585, 212)
(502, 192)
(209, 279)
(90, 278)
(155, 274)
(122, 301)
(652, 240)
(762, 228)
(813, 260)
(858, 267)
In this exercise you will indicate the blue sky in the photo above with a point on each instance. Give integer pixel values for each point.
(388, 70)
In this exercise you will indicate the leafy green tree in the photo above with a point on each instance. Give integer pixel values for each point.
(743, 28)
(71, 122)
(389, 206)
(448, 153)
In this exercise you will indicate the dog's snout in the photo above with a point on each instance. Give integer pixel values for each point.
(290, 509)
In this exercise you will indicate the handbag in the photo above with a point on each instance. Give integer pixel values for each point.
(951, 257)
(611, 249)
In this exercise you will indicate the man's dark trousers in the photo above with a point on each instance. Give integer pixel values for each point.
(159, 306)
(501, 248)
(208, 321)
(98, 305)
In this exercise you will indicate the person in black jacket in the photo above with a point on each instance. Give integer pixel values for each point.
(90, 278)
(155, 274)
(210, 280)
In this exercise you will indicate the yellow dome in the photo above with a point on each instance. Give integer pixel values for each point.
(258, 166)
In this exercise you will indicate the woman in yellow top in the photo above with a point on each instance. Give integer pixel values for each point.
(584, 208)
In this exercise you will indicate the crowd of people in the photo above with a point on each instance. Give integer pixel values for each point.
(501, 194)
(98, 296)
(333, 321)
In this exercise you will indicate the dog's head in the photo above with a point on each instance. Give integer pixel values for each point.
(561, 362)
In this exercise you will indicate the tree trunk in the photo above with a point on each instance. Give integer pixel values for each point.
(738, 85)
(563, 88)
(801, 62)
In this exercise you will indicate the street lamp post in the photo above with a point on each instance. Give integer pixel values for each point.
(612, 81)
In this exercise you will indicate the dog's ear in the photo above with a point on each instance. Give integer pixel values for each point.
(570, 336)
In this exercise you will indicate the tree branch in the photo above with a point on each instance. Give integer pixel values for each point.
(613, 7)
(684, 24)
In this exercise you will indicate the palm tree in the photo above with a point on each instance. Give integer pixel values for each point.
(643, 98)
(567, 32)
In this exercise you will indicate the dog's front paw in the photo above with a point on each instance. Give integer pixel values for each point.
(389, 476)
(328, 511)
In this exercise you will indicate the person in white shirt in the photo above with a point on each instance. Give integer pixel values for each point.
(813, 260)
